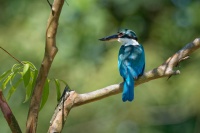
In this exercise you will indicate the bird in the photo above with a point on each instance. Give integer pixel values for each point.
(131, 60)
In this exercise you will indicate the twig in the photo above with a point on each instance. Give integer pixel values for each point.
(164, 70)
(11, 56)
(49, 4)
(67, 2)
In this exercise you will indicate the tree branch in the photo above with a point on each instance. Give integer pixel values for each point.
(50, 52)
(74, 99)
(9, 116)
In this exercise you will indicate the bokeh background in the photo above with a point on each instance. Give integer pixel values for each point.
(86, 64)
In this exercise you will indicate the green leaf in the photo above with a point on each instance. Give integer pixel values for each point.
(58, 89)
(45, 94)
(31, 85)
(30, 64)
(64, 82)
(13, 88)
(34, 75)
(4, 74)
(26, 74)
(29, 90)
(5, 82)
(15, 66)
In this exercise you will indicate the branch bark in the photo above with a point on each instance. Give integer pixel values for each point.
(9, 116)
(50, 52)
(74, 99)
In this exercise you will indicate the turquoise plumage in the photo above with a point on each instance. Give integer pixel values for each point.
(131, 65)
(131, 60)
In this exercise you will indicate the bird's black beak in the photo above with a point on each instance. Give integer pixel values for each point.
(109, 38)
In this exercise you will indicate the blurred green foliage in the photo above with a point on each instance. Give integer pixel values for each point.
(86, 64)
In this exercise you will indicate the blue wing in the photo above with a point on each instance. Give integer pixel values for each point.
(131, 64)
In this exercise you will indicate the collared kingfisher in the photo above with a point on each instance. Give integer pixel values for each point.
(131, 60)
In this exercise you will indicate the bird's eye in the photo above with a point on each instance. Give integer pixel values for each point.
(120, 34)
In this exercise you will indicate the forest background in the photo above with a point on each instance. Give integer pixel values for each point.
(86, 64)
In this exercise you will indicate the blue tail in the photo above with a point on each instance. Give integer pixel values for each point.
(128, 90)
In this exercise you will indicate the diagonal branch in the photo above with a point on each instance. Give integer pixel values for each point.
(164, 70)
(50, 52)
(9, 116)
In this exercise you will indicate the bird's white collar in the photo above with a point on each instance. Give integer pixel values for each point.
(126, 41)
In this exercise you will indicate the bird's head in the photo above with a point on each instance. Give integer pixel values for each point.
(121, 36)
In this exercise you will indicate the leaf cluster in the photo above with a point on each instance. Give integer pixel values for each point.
(28, 74)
